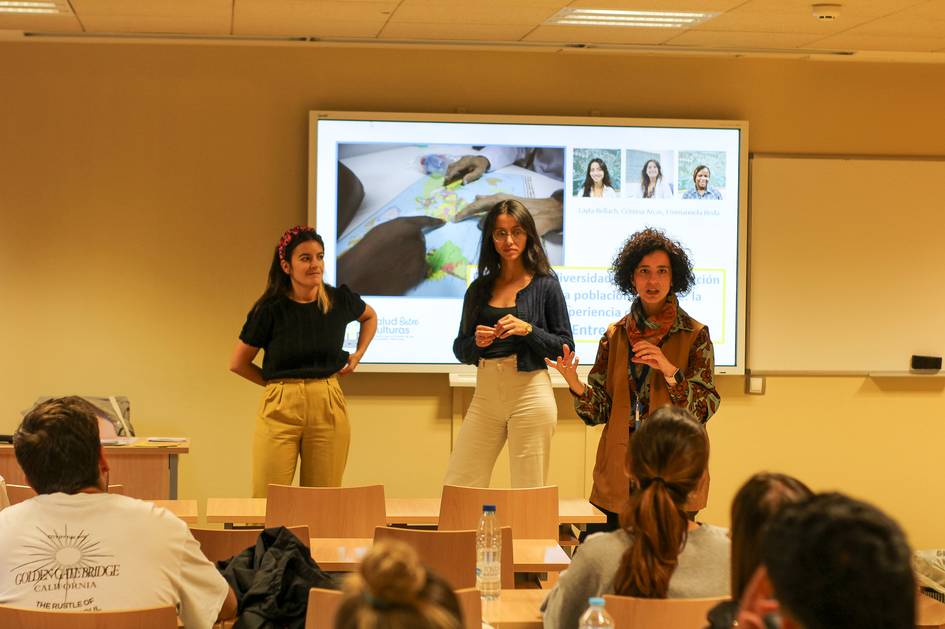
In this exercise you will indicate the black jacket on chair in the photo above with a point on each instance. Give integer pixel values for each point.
(272, 579)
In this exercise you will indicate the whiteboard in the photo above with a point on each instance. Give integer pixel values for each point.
(846, 267)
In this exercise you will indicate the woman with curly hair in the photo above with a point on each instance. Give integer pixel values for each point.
(654, 356)
(597, 181)
(658, 552)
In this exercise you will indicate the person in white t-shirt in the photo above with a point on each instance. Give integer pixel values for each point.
(76, 548)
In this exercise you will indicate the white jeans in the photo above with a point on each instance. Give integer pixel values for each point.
(507, 403)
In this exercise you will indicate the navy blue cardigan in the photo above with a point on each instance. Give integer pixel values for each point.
(541, 303)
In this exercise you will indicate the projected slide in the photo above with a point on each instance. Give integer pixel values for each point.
(406, 235)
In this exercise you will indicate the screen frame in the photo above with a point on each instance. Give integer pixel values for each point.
(741, 300)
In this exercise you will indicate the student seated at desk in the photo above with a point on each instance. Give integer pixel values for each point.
(755, 504)
(76, 548)
(659, 552)
(392, 590)
(831, 562)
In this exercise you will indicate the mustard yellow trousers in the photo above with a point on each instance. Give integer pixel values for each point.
(301, 419)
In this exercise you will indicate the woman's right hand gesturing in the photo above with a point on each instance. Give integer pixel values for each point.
(567, 365)
(484, 336)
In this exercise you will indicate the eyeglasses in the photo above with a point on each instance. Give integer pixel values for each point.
(500, 235)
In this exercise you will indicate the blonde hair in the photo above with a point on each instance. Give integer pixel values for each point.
(392, 590)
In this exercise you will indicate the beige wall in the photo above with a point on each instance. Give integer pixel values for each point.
(142, 188)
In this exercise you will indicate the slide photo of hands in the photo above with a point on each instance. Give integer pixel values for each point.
(409, 214)
(595, 173)
(702, 175)
(650, 174)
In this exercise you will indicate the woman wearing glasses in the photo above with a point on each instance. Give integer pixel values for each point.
(514, 317)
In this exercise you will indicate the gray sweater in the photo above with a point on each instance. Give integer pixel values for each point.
(703, 571)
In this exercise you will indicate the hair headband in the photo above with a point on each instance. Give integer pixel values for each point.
(289, 235)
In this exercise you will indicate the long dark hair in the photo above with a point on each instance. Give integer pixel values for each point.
(645, 179)
(758, 500)
(589, 183)
(667, 458)
(490, 263)
(278, 283)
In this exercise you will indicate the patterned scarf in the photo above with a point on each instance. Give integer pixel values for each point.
(654, 330)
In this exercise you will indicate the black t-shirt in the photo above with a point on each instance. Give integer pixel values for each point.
(299, 340)
(500, 348)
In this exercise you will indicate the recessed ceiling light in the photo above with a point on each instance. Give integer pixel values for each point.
(639, 19)
(25, 6)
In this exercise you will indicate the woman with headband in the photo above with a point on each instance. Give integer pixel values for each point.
(299, 322)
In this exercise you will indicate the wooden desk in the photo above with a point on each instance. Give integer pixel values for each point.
(930, 614)
(147, 470)
(399, 511)
(515, 609)
(186, 510)
(335, 554)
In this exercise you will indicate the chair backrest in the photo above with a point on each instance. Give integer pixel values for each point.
(659, 613)
(471, 605)
(328, 511)
(450, 554)
(531, 512)
(150, 618)
(19, 493)
(4, 499)
(323, 607)
(220, 544)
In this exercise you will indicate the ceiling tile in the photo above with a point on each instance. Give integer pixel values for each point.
(469, 32)
(479, 12)
(859, 8)
(40, 23)
(728, 39)
(899, 43)
(765, 22)
(903, 24)
(319, 18)
(146, 16)
(601, 35)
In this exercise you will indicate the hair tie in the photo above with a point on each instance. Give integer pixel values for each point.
(289, 235)
(376, 601)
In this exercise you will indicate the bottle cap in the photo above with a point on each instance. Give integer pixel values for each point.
(488, 508)
(595, 601)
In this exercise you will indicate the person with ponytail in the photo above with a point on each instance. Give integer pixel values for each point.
(392, 590)
(299, 322)
(658, 552)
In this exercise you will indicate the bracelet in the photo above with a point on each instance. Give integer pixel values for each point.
(528, 328)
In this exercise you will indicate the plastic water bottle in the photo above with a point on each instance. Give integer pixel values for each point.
(489, 555)
(596, 616)
(436, 163)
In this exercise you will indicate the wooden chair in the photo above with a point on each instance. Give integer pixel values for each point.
(149, 618)
(328, 511)
(471, 606)
(451, 554)
(659, 613)
(19, 493)
(4, 499)
(323, 607)
(531, 512)
(220, 544)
